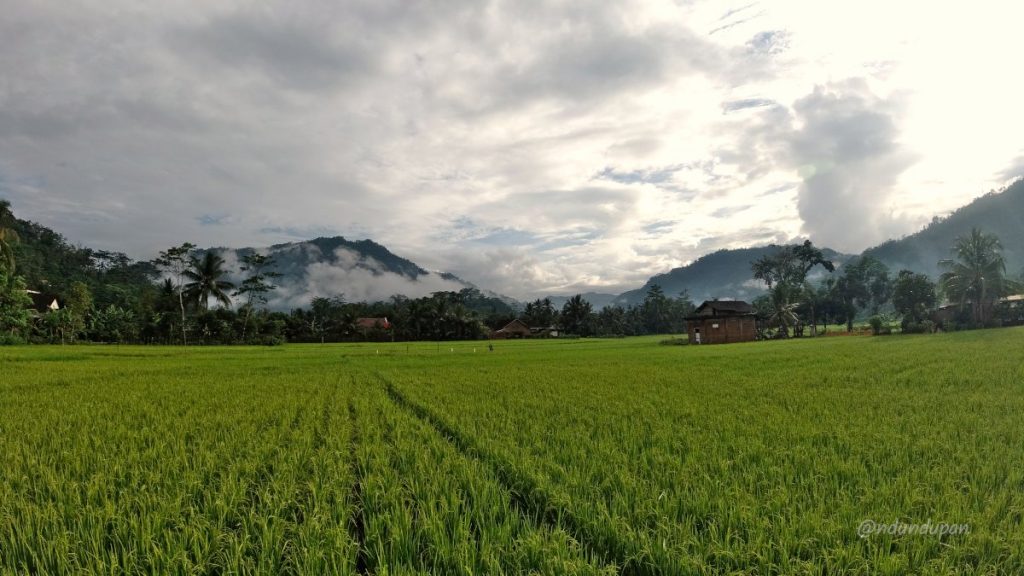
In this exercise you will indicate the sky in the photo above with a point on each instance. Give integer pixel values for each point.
(529, 146)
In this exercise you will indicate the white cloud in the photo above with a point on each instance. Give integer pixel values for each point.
(574, 127)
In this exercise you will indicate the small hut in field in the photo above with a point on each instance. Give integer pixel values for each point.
(514, 329)
(722, 322)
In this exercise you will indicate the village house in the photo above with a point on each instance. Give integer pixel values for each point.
(43, 303)
(722, 322)
(370, 324)
(514, 329)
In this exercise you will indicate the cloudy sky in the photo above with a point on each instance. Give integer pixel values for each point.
(530, 146)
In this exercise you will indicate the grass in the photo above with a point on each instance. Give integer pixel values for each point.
(547, 457)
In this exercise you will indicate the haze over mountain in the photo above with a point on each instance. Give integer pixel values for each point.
(999, 213)
(726, 273)
(358, 271)
(364, 270)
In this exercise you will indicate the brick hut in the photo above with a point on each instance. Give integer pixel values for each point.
(722, 322)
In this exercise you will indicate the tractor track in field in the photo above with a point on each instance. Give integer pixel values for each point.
(529, 499)
(357, 523)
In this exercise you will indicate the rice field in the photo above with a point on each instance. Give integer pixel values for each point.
(540, 457)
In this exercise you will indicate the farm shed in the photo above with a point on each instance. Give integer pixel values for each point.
(43, 303)
(367, 324)
(514, 329)
(722, 322)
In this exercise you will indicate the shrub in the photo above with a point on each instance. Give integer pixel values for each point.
(10, 340)
(272, 341)
(879, 326)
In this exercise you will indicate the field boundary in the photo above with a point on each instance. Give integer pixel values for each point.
(532, 501)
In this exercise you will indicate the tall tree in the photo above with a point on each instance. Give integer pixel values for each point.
(976, 276)
(8, 236)
(540, 313)
(175, 261)
(206, 275)
(257, 284)
(785, 273)
(790, 265)
(781, 310)
(657, 311)
(864, 284)
(576, 315)
(913, 296)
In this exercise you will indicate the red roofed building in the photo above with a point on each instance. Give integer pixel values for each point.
(366, 324)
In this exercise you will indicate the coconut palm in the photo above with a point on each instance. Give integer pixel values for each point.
(977, 274)
(206, 275)
(781, 311)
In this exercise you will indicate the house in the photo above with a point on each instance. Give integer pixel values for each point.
(722, 322)
(951, 313)
(514, 329)
(43, 303)
(369, 324)
(544, 331)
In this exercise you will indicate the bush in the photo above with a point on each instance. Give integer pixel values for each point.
(917, 327)
(272, 341)
(879, 326)
(10, 340)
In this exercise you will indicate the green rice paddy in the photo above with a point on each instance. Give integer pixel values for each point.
(546, 457)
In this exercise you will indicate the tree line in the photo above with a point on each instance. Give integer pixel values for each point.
(974, 281)
(184, 296)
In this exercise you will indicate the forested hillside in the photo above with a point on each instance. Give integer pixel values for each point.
(999, 213)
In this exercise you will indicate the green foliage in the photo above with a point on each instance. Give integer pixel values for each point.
(976, 276)
(540, 313)
(175, 261)
(999, 213)
(113, 324)
(206, 275)
(913, 297)
(879, 325)
(864, 285)
(15, 305)
(577, 315)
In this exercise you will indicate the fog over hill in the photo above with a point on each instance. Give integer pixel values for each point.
(361, 270)
(999, 213)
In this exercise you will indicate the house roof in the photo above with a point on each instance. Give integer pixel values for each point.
(43, 302)
(516, 325)
(371, 323)
(724, 308)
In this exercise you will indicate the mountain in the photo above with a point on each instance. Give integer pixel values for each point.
(724, 274)
(596, 299)
(356, 270)
(999, 213)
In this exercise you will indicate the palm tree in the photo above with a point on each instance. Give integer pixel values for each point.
(576, 316)
(977, 275)
(206, 274)
(782, 312)
(7, 237)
